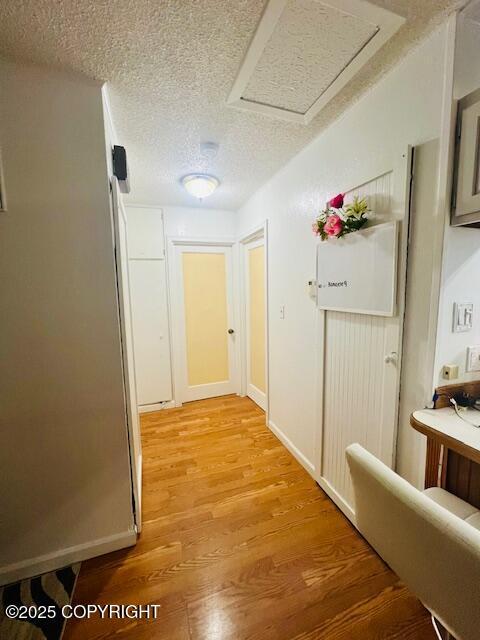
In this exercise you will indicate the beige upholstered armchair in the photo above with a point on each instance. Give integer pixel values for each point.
(430, 539)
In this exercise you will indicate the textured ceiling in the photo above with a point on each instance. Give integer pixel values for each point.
(170, 66)
(473, 11)
(309, 47)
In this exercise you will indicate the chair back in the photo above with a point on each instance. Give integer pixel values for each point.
(435, 553)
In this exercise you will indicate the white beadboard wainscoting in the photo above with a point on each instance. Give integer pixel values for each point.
(353, 405)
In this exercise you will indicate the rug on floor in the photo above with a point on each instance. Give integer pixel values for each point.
(50, 589)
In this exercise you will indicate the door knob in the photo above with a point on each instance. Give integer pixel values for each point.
(230, 331)
(391, 358)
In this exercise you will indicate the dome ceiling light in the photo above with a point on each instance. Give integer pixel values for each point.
(200, 185)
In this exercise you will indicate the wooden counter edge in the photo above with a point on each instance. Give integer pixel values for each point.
(449, 442)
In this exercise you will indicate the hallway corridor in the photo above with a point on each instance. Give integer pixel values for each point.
(239, 542)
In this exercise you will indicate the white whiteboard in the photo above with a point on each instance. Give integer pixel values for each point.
(358, 273)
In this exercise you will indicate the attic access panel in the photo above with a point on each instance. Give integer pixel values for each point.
(304, 51)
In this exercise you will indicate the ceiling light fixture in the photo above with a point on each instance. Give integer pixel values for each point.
(200, 185)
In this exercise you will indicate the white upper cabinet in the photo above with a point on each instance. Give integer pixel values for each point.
(145, 234)
(466, 182)
(466, 203)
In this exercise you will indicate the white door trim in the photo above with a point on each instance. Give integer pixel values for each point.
(176, 318)
(403, 172)
(127, 347)
(253, 392)
(207, 242)
(256, 234)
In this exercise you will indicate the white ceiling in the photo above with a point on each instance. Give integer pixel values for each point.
(310, 45)
(170, 66)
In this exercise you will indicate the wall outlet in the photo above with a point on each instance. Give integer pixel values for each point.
(450, 372)
(473, 358)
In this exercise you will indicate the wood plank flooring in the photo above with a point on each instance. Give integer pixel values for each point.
(239, 543)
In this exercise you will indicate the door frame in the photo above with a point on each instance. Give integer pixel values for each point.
(128, 351)
(175, 307)
(257, 233)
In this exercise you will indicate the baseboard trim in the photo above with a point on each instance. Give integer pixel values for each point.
(138, 516)
(296, 453)
(337, 499)
(156, 406)
(63, 557)
(203, 392)
(259, 397)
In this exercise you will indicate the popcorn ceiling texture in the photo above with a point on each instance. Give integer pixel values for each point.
(170, 66)
(309, 47)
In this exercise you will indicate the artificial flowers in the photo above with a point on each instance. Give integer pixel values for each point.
(338, 219)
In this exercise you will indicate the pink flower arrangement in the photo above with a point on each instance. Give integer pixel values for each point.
(337, 201)
(333, 225)
(336, 220)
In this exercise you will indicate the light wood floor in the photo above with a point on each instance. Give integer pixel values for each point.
(239, 542)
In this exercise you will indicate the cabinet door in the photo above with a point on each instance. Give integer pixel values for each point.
(467, 195)
(150, 331)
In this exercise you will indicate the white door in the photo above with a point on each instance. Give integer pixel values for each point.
(150, 332)
(133, 423)
(255, 321)
(148, 291)
(362, 357)
(204, 348)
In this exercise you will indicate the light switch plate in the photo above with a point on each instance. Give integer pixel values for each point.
(473, 358)
(462, 317)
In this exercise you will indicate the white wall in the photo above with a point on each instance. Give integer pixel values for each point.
(460, 283)
(404, 108)
(199, 223)
(64, 453)
(467, 74)
(461, 259)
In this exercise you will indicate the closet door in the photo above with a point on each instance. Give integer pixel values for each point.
(362, 357)
(150, 331)
(148, 280)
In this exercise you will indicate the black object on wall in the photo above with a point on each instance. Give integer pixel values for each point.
(120, 168)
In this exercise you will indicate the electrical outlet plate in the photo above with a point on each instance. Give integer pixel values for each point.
(450, 372)
(473, 358)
